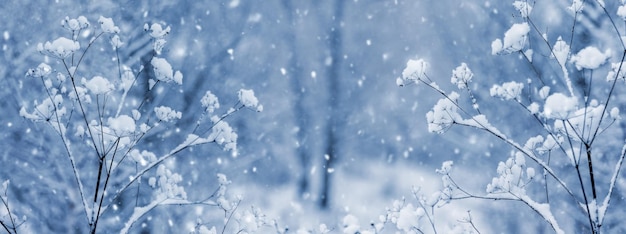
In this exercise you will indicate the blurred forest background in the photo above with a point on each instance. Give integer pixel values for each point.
(336, 136)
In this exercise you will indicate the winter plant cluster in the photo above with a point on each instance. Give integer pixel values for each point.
(571, 159)
(103, 121)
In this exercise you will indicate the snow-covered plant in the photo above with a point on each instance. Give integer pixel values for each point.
(103, 118)
(571, 159)
(9, 222)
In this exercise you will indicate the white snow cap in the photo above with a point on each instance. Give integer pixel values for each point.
(559, 106)
(615, 113)
(223, 134)
(443, 114)
(164, 72)
(461, 76)
(409, 217)
(42, 70)
(414, 71)
(621, 12)
(523, 7)
(166, 114)
(446, 167)
(514, 39)
(590, 58)
(157, 31)
(560, 51)
(577, 6)
(507, 91)
(61, 48)
(123, 125)
(116, 42)
(615, 68)
(107, 25)
(210, 102)
(98, 85)
(75, 24)
(247, 98)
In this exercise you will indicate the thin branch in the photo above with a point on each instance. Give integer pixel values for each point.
(6, 205)
(619, 36)
(608, 98)
(231, 215)
(607, 199)
(502, 137)
(430, 220)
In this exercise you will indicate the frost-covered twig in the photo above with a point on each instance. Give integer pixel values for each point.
(139, 212)
(470, 221)
(607, 199)
(609, 96)
(428, 216)
(9, 227)
(113, 135)
(191, 140)
(543, 209)
(40, 72)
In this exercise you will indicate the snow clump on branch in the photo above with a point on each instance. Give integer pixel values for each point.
(98, 85)
(164, 72)
(461, 76)
(590, 58)
(210, 102)
(60, 48)
(523, 7)
(507, 91)
(514, 39)
(559, 106)
(444, 114)
(43, 70)
(107, 25)
(247, 99)
(415, 71)
(123, 125)
(166, 114)
(75, 24)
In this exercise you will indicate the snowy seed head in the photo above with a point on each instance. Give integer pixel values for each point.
(577, 6)
(247, 99)
(496, 46)
(210, 102)
(615, 113)
(99, 85)
(123, 125)
(157, 31)
(166, 114)
(43, 70)
(415, 70)
(559, 106)
(61, 48)
(116, 42)
(107, 25)
(75, 24)
(560, 51)
(461, 76)
(164, 72)
(590, 58)
(617, 71)
(621, 12)
(507, 91)
(515, 37)
(446, 167)
(523, 7)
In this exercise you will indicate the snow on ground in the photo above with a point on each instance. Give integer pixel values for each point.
(364, 195)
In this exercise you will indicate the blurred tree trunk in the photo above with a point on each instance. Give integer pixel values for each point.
(300, 113)
(334, 73)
